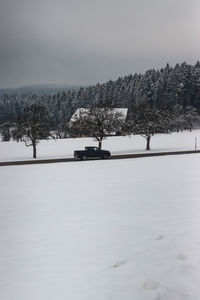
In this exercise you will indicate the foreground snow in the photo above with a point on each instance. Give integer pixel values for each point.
(65, 147)
(101, 230)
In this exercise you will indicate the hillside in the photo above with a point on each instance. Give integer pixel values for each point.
(39, 89)
(164, 89)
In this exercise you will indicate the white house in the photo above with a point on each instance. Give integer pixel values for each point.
(79, 111)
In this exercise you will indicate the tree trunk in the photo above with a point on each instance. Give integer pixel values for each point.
(100, 144)
(34, 150)
(148, 143)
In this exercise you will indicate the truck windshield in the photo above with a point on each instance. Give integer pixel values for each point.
(91, 148)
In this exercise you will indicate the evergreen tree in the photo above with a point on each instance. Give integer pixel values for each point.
(178, 118)
(191, 118)
(5, 132)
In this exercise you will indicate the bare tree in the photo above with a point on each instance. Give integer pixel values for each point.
(148, 122)
(34, 126)
(97, 122)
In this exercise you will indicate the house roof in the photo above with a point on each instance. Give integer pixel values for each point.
(122, 111)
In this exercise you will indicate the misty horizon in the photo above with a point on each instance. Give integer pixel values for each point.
(71, 85)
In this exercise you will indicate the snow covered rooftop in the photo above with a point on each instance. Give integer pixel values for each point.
(122, 111)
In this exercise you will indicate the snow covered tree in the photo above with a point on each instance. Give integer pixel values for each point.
(191, 117)
(148, 122)
(34, 125)
(5, 131)
(97, 122)
(178, 120)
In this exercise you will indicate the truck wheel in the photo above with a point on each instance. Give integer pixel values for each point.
(84, 157)
(105, 156)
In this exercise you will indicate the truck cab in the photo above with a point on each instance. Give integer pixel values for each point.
(91, 152)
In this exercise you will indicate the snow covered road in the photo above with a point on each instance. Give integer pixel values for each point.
(117, 156)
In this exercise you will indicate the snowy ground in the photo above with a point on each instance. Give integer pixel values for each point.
(65, 147)
(101, 230)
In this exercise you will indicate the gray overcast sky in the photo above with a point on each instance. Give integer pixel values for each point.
(90, 41)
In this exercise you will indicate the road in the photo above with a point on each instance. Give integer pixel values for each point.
(119, 156)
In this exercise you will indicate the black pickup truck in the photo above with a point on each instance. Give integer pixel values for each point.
(91, 152)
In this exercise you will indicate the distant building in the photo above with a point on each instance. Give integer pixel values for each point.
(82, 111)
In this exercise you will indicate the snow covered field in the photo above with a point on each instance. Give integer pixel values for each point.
(101, 230)
(65, 147)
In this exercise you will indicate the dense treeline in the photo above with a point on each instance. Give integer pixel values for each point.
(176, 89)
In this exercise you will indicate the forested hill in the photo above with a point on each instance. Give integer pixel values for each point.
(39, 89)
(164, 88)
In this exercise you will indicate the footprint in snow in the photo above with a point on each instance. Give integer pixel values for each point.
(181, 256)
(164, 291)
(160, 237)
(158, 296)
(151, 285)
(119, 263)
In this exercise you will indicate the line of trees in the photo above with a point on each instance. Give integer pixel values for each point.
(97, 122)
(102, 122)
(172, 93)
